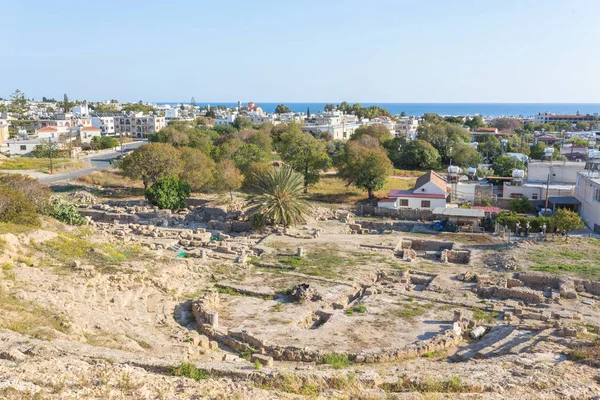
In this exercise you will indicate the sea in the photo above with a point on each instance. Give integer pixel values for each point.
(418, 109)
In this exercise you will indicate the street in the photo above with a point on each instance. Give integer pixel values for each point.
(99, 163)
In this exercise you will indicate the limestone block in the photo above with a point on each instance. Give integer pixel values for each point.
(213, 345)
(477, 332)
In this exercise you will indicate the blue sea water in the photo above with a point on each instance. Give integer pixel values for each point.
(464, 109)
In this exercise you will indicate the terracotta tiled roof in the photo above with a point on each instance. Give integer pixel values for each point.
(47, 129)
(90, 128)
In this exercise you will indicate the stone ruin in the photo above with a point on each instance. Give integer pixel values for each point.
(410, 249)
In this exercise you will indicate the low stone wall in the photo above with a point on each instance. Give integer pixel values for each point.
(426, 245)
(242, 339)
(109, 217)
(409, 214)
(456, 256)
(520, 293)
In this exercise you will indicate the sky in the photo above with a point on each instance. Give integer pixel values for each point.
(303, 51)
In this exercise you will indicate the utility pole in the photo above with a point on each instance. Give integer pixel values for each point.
(50, 148)
(121, 140)
(547, 188)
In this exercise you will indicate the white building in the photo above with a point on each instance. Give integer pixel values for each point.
(24, 147)
(105, 123)
(556, 171)
(430, 191)
(172, 113)
(587, 191)
(227, 119)
(87, 133)
(51, 132)
(81, 110)
(139, 125)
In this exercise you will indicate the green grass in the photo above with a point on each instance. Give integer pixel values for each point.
(337, 361)
(189, 370)
(578, 256)
(15, 229)
(28, 318)
(323, 263)
(359, 308)
(66, 248)
(38, 164)
(410, 311)
(430, 385)
(484, 316)
(331, 189)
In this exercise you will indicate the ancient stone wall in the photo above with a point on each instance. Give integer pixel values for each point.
(520, 293)
(409, 214)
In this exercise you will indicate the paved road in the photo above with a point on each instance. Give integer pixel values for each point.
(99, 162)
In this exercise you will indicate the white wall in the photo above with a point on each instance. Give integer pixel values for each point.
(563, 172)
(587, 191)
(429, 187)
(415, 202)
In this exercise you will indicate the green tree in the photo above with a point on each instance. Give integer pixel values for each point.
(104, 142)
(247, 154)
(329, 107)
(567, 220)
(465, 155)
(197, 169)
(242, 123)
(520, 205)
(419, 154)
(536, 151)
(152, 161)
(19, 108)
(278, 198)
(489, 147)
(307, 112)
(503, 166)
(364, 168)
(282, 109)
(475, 123)
(305, 154)
(227, 177)
(168, 192)
(377, 131)
(66, 103)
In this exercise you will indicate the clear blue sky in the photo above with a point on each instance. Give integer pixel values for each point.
(296, 51)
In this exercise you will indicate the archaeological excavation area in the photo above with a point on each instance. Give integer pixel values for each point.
(147, 303)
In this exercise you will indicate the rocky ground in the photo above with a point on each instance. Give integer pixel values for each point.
(91, 313)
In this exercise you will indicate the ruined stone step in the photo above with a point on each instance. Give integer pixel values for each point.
(496, 334)
(503, 346)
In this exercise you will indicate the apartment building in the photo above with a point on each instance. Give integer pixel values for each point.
(546, 117)
(138, 125)
(106, 123)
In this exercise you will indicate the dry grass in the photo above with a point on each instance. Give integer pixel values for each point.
(29, 319)
(331, 189)
(40, 164)
(578, 256)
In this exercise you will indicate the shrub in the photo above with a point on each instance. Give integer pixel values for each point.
(337, 361)
(168, 193)
(15, 208)
(189, 370)
(521, 205)
(34, 191)
(64, 211)
(104, 142)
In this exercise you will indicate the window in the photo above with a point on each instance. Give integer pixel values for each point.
(403, 202)
(23, 147)
(425, 204)
(534, 196)
(596, 194)
(516, 195)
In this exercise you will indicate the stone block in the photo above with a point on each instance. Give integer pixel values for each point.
(213, 345)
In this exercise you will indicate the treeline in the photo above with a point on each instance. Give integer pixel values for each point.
(358, 110)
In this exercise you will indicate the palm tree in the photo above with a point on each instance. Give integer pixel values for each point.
(279, 198)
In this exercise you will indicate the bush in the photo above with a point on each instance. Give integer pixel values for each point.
(64, 211)
(35, 192)
(168, 193)
(104, 142)
(337, 361)
(15, 208)
(189, 370)
(520, 205)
